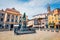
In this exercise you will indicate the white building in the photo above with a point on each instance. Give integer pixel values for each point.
(30, 23)
(2, 15)
(40, 20)
(8, 18)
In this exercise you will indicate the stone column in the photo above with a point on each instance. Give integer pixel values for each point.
(10, 17)
(14, 19)
(18, 19)
(10, 21)
(5, 19)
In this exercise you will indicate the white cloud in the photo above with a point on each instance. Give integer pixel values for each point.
(31, 8)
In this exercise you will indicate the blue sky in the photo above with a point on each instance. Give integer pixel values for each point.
(31, 7)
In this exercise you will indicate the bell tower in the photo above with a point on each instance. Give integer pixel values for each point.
(48, 8)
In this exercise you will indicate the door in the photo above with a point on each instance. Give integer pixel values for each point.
(57, 27)
(11, 28)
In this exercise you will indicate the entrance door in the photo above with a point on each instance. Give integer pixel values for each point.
(11, 28)
(57, 27)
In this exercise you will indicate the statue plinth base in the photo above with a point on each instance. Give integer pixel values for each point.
(24, 31)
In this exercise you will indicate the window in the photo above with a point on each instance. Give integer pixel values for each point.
(1, 19)
(8, 20)
(15, 20)
(42, 23)
(46, 17)
(2, 14)
(20, 20)
(12, 16)
(20, 16)
(54, 15)
(35, 22)
(16, 16)
(59, 18)
(59, 15)
(59, 21)
(8, 15)
(12, 20)
(0, 26)
(7, 26)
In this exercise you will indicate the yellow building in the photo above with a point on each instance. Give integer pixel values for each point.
(54, 19)
(51, 20)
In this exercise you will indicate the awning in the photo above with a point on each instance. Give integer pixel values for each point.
(57, 23)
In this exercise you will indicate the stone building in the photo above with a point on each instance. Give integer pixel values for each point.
(40, 20)
(9, 18)
(30, 23)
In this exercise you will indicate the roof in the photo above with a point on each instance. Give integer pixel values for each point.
(40, 14)
(12, 10)
(57, 8)
(30, 20)
(2, 10)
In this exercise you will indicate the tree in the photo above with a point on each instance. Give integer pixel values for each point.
(24, 17)
(24, 20)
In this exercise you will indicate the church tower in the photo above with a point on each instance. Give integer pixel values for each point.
(48, 8)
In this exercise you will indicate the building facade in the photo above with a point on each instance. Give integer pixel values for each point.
(30, 23)
(10, 18)
(54, 19)
(2, 15)
(40, 20)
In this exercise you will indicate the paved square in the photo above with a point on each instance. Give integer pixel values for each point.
(40, 35)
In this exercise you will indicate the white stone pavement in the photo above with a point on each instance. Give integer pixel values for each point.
(40, 35)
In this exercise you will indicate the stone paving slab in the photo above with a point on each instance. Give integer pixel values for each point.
(39, 35)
